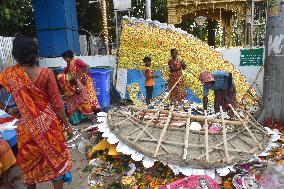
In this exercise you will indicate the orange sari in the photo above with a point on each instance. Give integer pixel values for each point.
(42, 149)
(86, 100)
(7, 158)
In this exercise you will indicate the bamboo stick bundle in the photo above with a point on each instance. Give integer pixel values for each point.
(178, 115)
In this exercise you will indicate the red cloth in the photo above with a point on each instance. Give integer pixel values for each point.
(274, 124)
(6, 119)
(80, 64)
(47, 83)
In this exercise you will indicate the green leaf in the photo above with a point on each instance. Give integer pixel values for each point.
(7, 14)
(7, 11)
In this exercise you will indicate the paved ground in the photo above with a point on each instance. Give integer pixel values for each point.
(80, 177)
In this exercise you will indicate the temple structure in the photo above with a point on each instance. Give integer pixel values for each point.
(244, 18)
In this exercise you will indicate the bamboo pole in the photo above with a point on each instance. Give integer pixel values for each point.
(134, 131)
(244, 123)
(206, 138)
(193, 117)
(163, 131)
(221, 143)
(260, 127)
(144, 109)
(224, 135)
(146, 127)
(141, 127)
(192, 145)
(186, 135)
(109, 116)
(247, 143)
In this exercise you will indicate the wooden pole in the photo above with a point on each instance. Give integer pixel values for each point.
(191, 145)
(145, 109)
(186, 135)
(163, 132)
(244, 123)
(260, 127)
(206, 137)
(146, 126)
(224, 135)
(221, 143)
(141, 127)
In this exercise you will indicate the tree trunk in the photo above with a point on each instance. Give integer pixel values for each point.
(273, 94)
(211, 32)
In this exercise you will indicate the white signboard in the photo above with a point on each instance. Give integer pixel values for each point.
(122, 4)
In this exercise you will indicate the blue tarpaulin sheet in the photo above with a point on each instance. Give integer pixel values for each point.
(9, 135)
(134, 76)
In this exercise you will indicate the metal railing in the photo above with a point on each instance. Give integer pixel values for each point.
(6, 60)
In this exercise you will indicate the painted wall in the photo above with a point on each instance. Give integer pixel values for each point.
(90, 60)
(250, 72)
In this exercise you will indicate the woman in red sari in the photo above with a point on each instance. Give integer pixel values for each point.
(42, 148)
(78, 88)
(175, 78)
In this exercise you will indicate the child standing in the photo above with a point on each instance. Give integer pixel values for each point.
(149, 82)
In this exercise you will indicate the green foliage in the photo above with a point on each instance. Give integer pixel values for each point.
(115, 185)
(90, 18)
(158, 9)
(16, 16)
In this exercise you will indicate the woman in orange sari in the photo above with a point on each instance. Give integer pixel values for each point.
(78, 88)
(42, 148)
(176, 82)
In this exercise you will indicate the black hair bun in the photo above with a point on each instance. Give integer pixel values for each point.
(25, 50)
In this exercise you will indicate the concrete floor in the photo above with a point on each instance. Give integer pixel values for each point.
(80, 177)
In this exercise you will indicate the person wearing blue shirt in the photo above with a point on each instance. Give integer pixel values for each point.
(221, 82)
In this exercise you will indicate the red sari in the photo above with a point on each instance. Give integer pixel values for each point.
(179, 92)
(86, 101)
(42, 149)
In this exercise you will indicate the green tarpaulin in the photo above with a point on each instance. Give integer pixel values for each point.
(252, 57)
